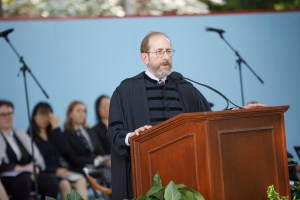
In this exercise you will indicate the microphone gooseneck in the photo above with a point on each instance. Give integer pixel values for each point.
(216, 91)
(177, 76)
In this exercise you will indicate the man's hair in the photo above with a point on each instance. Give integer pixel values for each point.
(145, 42)
(6, 103)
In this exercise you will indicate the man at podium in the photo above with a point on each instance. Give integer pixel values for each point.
(144, 100)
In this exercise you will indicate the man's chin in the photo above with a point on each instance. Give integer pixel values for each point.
(164, 73)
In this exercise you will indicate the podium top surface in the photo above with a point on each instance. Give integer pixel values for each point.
(215, 115)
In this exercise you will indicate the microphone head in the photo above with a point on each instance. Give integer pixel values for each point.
(6, 32)
(176, 76)
(220, 31)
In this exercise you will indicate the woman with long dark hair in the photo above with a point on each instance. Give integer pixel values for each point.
(53, 146)
(102, 113)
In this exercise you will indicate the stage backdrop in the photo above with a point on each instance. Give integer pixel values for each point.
(80, 59)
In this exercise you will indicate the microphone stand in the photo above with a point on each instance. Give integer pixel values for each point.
(25, 69)
(240, 61)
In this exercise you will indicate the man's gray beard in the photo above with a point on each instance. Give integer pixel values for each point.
(160, 73)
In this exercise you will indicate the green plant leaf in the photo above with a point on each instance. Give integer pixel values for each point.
(171, 192)
(296, 190)
(187, 195)
(178, 186)
(74, 195)
(154, 190)
(49, 198)
(157, 180)
(272, 194)
(188, 191)
(144, 197)
(198, 196)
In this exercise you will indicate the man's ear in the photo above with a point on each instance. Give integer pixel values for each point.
(145, 58)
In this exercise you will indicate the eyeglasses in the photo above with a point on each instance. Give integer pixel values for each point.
(6, 114)
(161, 53)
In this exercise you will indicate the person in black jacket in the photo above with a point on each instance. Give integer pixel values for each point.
(54, 146)
(84, 143)
(16, 160)
(102, 112)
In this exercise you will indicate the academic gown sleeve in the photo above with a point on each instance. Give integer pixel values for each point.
(120, 153)
(128, 111)
(117, 130)
(202, 103)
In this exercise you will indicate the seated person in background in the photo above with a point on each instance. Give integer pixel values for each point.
(53, 145)
(83, 141)
(3, 194)
(102, 113)
(292, 168)
(16, 160)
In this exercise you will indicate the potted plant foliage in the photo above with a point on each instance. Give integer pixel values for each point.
(171, 192)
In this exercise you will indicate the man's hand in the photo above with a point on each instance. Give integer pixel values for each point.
(251, 105)
(254, 105)
(141, 129)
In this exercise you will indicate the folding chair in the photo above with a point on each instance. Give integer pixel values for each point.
(98, 182)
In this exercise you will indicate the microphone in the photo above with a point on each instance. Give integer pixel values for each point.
(220, 31)
(6, 32)
(177, 76)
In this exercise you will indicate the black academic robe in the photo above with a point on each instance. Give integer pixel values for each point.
(128, 111)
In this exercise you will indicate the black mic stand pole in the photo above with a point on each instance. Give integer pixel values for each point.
(239, 61)
(25, 69)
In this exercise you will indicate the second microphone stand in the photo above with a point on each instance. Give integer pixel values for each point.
(25, 69)
(239, 62)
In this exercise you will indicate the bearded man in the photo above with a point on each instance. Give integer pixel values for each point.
(142, 101)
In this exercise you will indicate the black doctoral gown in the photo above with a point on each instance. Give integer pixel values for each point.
(128, 111)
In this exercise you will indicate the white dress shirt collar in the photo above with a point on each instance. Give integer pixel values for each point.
(13, 143)
(148, 73)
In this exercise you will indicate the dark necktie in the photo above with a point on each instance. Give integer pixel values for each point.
(161, 82)
(83, 139)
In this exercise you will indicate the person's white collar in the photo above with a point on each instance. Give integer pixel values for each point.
(8, 133)
(148, 73)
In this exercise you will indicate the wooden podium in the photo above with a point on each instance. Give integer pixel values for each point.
(232, 155)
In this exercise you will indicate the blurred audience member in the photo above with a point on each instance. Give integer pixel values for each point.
(16, 159)
(292, 168)
(3, 194)
(102, 113)
(53, 146)
(83, 140)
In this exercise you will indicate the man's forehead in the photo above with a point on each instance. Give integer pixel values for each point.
(159, 40)
(5, 107)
